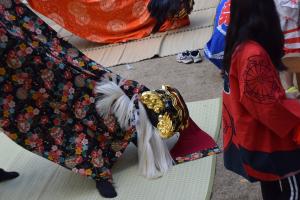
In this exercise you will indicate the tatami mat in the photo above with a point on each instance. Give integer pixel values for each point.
(191, 37)
(43, 180)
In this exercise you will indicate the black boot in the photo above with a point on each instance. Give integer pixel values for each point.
(4, 176)
(106, 189)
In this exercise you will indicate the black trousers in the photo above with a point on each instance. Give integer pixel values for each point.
(285, 189)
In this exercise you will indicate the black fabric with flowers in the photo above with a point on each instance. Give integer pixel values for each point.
(47, 100)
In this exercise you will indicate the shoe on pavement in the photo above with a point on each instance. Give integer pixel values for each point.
(184, 57)
(196, 55)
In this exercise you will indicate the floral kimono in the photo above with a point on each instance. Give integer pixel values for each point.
(61, 105)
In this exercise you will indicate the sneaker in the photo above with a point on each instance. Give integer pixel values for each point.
(196, 55)
(292, 89)
(292, 93)
(184, 57)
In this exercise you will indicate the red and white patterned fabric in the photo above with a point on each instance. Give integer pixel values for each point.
(290, 23)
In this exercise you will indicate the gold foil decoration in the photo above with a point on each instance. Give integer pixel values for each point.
(153, 101)
(165, 126)
(168, 123)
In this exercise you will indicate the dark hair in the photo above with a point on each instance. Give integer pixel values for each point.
(255, 20)
(161, 10)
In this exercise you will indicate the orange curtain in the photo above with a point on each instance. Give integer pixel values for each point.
(103, 21)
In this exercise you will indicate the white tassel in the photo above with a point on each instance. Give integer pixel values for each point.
(163, 158)
(114, 100)
(110, 92)
(154, 156)
(121, 110)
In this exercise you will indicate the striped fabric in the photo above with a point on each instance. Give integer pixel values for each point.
(290, 23)
(292, 40)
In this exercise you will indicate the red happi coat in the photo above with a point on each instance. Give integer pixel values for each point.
(258, 119)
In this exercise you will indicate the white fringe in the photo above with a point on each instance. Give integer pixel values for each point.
(154, 156)
(114, 100)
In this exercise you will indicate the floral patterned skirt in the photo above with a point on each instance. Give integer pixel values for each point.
(47, 103)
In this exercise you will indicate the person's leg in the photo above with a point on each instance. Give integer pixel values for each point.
(4, 175)
(270, 190)
(285, 189)
(290, 188)
(292, 90)
(106, 189)
(298, 79)
(289, 79)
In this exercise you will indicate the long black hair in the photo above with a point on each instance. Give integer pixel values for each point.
(255, 20)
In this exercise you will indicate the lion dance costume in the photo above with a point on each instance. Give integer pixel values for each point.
(65, 107)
